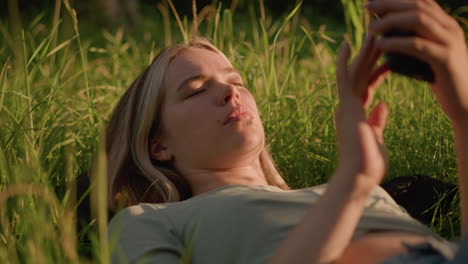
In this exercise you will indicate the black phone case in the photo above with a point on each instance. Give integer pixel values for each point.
(408, 65)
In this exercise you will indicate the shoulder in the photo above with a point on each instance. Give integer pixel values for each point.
(133, 220)
(147, 214)
(143, 230)
(138, 212)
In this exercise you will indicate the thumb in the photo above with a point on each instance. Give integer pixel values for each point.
(378, 120)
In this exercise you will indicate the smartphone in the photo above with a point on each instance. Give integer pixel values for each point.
(408, 65)
(405, 64)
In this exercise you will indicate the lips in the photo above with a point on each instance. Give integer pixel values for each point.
(235, 113)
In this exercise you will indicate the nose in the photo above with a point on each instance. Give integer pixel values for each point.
(230, 93)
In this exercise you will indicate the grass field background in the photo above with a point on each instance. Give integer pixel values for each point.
(59, 82)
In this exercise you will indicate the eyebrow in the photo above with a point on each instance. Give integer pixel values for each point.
(231, 70)
(227, 70)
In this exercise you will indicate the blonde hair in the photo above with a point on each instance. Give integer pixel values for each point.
(133, 176)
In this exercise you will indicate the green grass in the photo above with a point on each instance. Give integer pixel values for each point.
(56, 96)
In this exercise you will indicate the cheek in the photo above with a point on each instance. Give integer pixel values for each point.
(254, 110)
(252, 105)
(189, 121)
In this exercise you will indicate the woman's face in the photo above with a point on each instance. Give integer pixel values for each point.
(203, 91)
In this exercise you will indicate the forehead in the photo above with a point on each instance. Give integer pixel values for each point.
(194, 61)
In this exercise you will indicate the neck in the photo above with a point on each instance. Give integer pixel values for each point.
(203, 180)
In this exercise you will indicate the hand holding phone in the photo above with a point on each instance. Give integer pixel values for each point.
(438, 41)
(407, 65)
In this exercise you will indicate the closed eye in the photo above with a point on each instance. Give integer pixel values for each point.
(199, 91)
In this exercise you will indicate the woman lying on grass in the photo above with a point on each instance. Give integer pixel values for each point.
(187, 157)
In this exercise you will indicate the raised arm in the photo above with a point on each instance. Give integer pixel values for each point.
(461, 145)
(441, 43)
(327, 228)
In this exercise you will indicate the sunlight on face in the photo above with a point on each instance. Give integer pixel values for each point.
(203, 91)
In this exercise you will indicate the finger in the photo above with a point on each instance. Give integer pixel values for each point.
(378, 120)
(342, 69)
(385, 7)
(374, 55)
(363, 64)
(377, 77)
(418, 47)
(368, 68)
(367, 57)
(420, 23)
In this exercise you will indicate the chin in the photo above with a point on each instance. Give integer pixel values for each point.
(246, 142)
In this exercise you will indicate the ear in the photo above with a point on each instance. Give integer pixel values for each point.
(159, 152)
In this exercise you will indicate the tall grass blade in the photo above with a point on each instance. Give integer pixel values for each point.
(355, 20)
(179, 22)
(99, 201)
